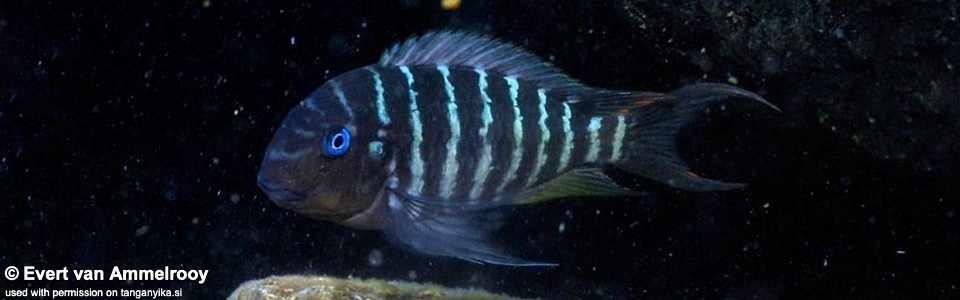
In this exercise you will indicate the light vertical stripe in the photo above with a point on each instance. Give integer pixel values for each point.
(567, 146)
(416, 161)
(451, 167)
(381, 102)
(483, 166)
(341, 98)
(544, 138)
(618, 135)
(517, 154)
(594, 131)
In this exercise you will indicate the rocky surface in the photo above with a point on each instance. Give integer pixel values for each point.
(331, 288)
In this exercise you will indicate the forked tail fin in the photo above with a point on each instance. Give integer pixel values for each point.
(650, 145)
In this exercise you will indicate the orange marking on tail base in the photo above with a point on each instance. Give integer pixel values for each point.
(450, 4)
(643, 102)
(691, 174)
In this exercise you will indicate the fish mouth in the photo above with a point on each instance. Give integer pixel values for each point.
(278, 194)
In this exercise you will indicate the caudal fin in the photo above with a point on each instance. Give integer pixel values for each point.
(650, 145)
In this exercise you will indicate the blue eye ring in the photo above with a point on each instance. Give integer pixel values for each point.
(336, 142)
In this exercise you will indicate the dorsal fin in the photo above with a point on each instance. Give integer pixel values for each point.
(457, 48)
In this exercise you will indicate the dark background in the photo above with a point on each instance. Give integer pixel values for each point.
(131, 133)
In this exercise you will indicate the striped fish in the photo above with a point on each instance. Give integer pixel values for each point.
(448, 126)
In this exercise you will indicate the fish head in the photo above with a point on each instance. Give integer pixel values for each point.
(321, 162)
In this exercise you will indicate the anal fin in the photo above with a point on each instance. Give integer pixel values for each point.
(579, 182)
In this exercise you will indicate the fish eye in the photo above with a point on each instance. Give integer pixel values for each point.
(336, 142)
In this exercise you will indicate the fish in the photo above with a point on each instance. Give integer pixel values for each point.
(432, 143)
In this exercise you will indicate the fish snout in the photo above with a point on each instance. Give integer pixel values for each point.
(278, 193)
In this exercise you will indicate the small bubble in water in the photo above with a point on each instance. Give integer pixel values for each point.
(234, 198)
(375, 258)
(170, 195)
(142, 230)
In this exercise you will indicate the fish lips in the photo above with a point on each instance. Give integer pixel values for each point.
(280, 195)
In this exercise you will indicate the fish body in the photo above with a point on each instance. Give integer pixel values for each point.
(427, 143)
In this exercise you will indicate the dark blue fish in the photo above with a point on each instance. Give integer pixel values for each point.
(448, 126)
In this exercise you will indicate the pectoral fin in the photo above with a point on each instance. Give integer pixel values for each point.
(437, 228)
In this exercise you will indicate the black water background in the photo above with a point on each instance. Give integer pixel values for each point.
(121, 116)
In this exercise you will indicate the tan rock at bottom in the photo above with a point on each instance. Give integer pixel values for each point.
(331, 288)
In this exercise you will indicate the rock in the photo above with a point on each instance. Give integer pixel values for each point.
(295, 287)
